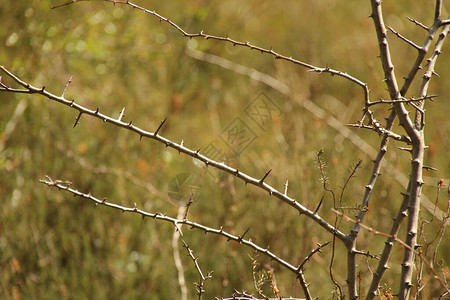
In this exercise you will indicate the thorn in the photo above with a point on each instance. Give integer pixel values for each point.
(318, 206)
(428, 168)
(242, 236)
(265, 176)
(160, 125)
(121, 115)
(66, 86)
(77, 120)
(405, 149)
(96, 111)
(286, 187)
(181, 144)
(130, 124)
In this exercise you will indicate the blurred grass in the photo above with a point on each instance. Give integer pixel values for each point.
(55, 246)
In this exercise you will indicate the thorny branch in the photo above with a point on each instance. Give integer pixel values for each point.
(414, 130)
(181, 149)
(394, 237)
(203, 277)
(65, 186)
(319, 113)
(415, 136)
(270, 51)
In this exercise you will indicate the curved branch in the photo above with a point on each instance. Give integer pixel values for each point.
(226, 39)
(64, 185)
(181, 149)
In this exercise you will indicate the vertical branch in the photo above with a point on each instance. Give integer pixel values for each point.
(385, 55)
(388, 68)
(418, 146)
(416, 170)
(413, 218)
(382, 266)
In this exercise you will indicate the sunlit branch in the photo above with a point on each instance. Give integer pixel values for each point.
(65, 186)
(181, 149)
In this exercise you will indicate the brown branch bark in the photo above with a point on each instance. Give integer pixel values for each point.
(63, 185)
(181, 149)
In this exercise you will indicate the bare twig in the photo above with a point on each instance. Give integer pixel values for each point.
(330, 120)
(403, 243)
(66, 86)
(181, 149)
(64, 185)
(318, 249)
(417, 164)
(203, 278)
(431, 62)
(382, 131)
(382, 101)
(270, 51)
(301, 275)
(304, 284)
(384, 257)
(352, 173)
(404, 39)
(418, 23)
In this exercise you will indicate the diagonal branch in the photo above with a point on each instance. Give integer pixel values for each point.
(429, 71)
(403, 243)
(411, 43)
(418, 23)
(390, 120)
(65, 186)
(389, 244)
(226, 39)
(182, 149)
(330, 120)
(388, 68)
(203, 277)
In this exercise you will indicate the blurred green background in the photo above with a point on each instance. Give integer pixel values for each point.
(54, 246)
